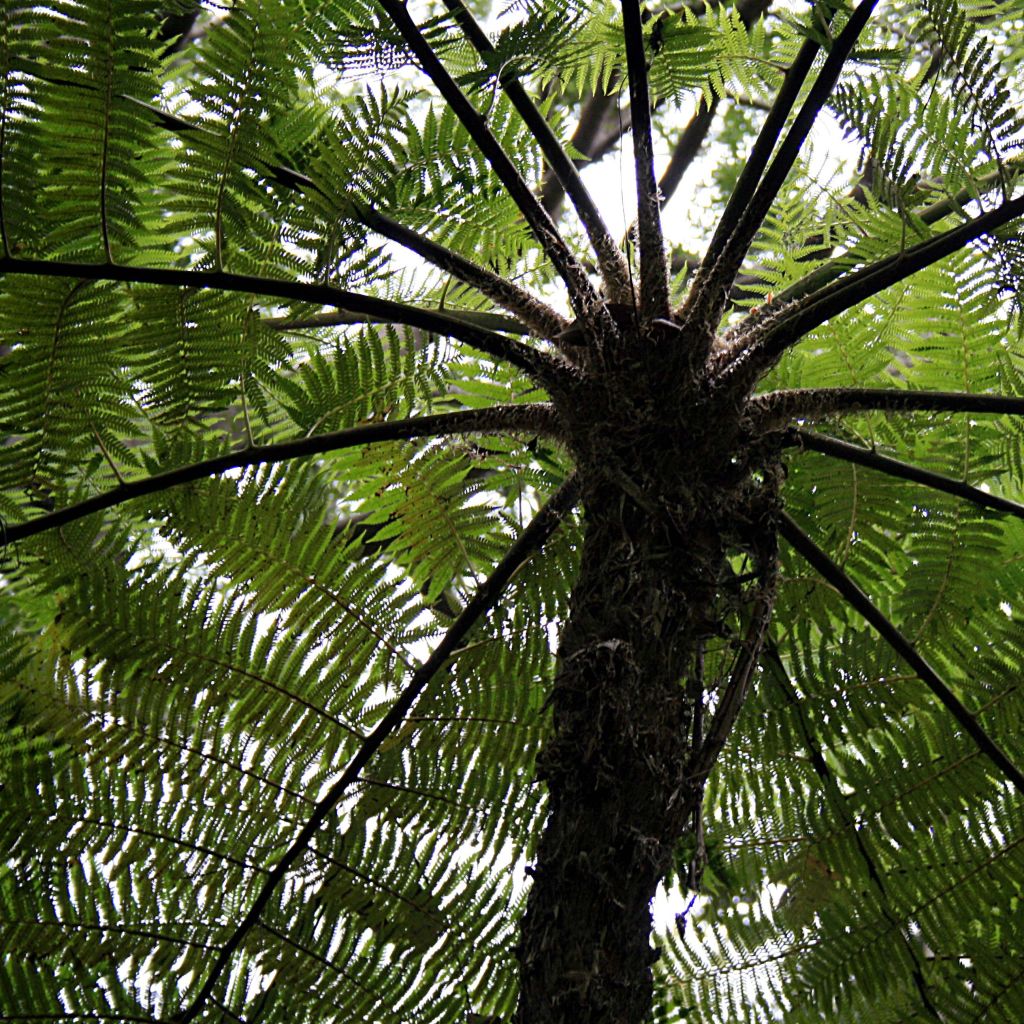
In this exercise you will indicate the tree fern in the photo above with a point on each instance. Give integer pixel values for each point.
(416, 563)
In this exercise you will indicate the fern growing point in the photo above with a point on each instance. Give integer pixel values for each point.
(330, 400)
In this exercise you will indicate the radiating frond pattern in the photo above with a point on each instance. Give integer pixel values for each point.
(239, 669)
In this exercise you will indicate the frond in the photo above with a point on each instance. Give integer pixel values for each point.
(994, 115)
(76, 174)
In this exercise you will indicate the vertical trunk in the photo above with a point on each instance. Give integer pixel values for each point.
(614, 765)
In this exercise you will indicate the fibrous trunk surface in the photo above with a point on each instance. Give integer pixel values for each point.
(660, 515)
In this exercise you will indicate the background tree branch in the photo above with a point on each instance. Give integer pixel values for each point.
(687, 148)
(723, 265)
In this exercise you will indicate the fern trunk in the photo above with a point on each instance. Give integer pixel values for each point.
(659, 517)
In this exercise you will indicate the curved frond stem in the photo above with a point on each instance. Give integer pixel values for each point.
(228, 1013)
(111, 928)
(258, 679)
(171, 838)
(182, 752)
(750, 216)
(324, 961)
(538, 318)
(687, 148)
(695, 694)
(537, 418)
(472, 317)
(610, 260)
(653, 268)
(736, 689)
(862, 604)
(601, 126)
(542, 320)
(77, 1018)
(487, 595)
(753, 167)
(537, 364)
(777, 409)
(584, 299)
(931, 214)
(788, 326)
(840, 806)
(747, 283)
(894, 467)
(287, 177)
